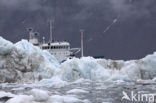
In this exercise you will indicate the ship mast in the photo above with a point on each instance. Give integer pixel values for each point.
(81, 32)
(51, 30)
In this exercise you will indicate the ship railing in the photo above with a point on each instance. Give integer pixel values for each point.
(75, 50)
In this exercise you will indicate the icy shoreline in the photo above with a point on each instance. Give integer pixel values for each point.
(30, 75)
(22, 62)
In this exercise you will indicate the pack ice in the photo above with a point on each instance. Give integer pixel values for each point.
(23, 62)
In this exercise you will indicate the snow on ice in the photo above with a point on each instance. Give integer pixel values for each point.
(27, 65)
(77, 91)
(40, 96)
(23, 62)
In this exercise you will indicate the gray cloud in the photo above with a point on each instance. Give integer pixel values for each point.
(133, 8)
(136, 20)
(21, 4)
(109, 9)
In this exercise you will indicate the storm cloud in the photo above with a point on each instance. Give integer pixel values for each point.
(130, 23)
(131, 8)
(21, 4)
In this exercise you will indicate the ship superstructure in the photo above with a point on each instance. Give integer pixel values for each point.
(61, 50)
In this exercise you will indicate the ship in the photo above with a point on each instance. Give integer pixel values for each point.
(61, 50)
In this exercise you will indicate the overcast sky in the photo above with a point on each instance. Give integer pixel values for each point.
(116, 29)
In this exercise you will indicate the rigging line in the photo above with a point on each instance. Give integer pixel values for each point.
(113, 22)
(106, 29)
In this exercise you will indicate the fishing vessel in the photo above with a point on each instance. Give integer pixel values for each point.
(60, 50)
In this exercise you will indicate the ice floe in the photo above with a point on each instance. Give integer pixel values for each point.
(22, 62)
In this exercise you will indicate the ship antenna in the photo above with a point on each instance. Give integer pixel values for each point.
(51, 30)
(43, 38)
(81, 33)
(30, 33)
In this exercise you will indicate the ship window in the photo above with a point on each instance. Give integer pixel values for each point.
(66, 47)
